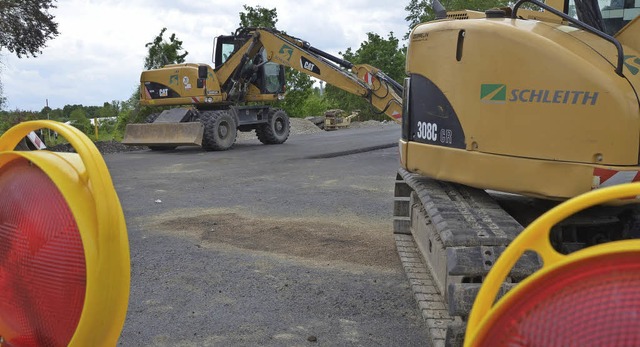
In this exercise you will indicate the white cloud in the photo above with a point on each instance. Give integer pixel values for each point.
(99, 53)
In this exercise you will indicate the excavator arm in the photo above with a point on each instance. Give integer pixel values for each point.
(363, 80)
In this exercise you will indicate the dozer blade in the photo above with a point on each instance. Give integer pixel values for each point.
(158, 134)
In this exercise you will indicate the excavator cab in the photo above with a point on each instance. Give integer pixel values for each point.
(269, 77)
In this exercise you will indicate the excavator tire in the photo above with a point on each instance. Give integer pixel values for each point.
(276, 130)
(220, 130)
(150, 119)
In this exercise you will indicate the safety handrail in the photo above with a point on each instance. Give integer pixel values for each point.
(579, 24)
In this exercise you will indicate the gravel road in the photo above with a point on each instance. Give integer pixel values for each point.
(285, 245)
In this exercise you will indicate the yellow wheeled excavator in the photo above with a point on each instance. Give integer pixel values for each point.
(504, 113)
(233, 95)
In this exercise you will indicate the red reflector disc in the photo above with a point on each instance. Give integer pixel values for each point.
(42, 263)
(594, 302)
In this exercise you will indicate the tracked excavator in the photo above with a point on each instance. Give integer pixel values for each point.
(206, 106)
(506, 113)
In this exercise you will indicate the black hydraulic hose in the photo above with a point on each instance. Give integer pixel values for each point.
(397, 87)
(341, 62)
(386, 89)
(441, 12)
(245, 58)
(386, 107)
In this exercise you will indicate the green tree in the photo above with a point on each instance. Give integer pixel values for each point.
(298, 92)
(105, 115)
(316, 104)
(56, 114)
(421, 11)
(108, 110)
(7, 120)
(79, 120)
(11, 118)
(3, 100)
(67, 109)
(298, 84)
(162, 52)
(258, 17)
(25, 26)
(45, 111)
(386, 55)
(130, 111)
(4, 123)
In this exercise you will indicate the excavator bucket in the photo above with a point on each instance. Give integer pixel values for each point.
(164, 134)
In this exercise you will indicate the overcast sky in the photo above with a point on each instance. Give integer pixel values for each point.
(99, 53)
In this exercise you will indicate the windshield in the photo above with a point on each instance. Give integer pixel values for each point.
(614, 14)
(273, 84)
(227, 50)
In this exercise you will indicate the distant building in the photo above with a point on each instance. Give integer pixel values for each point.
(102, 120)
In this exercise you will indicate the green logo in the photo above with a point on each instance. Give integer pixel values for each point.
(173, 79)
(627, 62)
(286, 50)
(493, 93)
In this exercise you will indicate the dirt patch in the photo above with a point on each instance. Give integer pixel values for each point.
(354, 241)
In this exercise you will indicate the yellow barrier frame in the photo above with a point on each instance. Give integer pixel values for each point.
(84, 181)
(536, 238)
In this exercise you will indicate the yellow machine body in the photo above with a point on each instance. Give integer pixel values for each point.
(177, 84)
(525, 101)
(521, 106)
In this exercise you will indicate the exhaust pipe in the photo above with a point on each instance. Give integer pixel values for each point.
(441, 12)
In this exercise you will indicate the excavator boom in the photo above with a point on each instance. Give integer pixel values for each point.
(363, 80)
